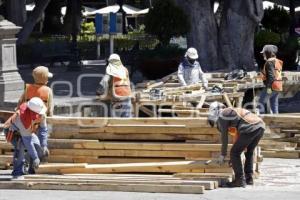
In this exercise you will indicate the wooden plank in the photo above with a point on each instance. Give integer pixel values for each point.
(208, 185)
(185, 189)
(137, 136)
(6, 160)
(281, 154)
(107, 160)
(4, 115)
(101, 122)
(151, 129)
(227, 100)
(165, 167)
(131, 153)
(153, 146)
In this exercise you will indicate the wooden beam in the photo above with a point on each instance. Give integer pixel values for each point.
(185, 189)
(163, 167)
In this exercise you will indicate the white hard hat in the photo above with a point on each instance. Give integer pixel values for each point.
(192, 53)
(214, 112)
(36, 105)
(114, 56)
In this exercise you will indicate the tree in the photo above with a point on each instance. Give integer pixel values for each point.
(277, 19)
(229, 43)
(52, 22)
(16, 11)
(32, 19)
(166, 20)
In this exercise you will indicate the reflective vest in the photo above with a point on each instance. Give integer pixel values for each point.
(41, 91)
(121, 87)
(277, 83)
(247, 116)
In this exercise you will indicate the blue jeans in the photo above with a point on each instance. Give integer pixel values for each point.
(265, 97)
(121, 109)
(34, 150)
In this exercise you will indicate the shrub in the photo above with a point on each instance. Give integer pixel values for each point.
(277, 20)
(266, 37)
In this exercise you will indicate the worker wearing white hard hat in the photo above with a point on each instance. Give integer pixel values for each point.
(189, 70)
(246, 130)
(115, 87)
(22, 130)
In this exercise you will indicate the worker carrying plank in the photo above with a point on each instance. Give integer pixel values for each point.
(39, 88)
(22, 131)
(246, 129)
(115, 87)
(189, 70)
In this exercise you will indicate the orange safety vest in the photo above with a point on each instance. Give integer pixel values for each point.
(247, 116)
(121, 87)
(41, 91)
(277, 83)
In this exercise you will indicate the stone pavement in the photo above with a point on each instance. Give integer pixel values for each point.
(279, 180)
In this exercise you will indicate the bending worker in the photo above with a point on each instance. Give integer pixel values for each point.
(39, 89)
(115, 87)
(20, 130)
(247, 129)
(189, 70)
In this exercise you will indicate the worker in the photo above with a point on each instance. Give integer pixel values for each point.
(39, 89)
(246, 129)
(115, 87)
(189, 70)
(20, 130)
(271, 74)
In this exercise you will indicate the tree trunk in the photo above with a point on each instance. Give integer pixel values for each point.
(32, 19)
(227, 43)
(236, 33)
(293, 16)
(203, 33)
(16, 11)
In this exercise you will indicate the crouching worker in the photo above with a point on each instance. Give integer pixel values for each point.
(247, 129)
(27, 130)
(115, 87)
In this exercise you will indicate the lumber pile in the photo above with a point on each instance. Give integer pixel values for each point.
(171, 94)
(282, 138)
(6, 153)
(195, 183)
(158, 155)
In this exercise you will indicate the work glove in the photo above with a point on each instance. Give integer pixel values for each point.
(46, 152)
(36, 163)
(269, 91)
(221, 160)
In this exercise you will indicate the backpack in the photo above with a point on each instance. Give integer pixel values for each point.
(236, 74)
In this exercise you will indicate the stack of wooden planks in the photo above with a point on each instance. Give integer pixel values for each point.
(192, 183)
(158, 155)
(5, 148)
(174, 95)
(282, 139)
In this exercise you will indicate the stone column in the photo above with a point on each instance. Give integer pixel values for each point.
(11, 84)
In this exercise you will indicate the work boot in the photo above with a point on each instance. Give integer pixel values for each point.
(240, 182)
(249, 179)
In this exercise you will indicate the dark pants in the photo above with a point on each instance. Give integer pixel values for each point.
(249, 141)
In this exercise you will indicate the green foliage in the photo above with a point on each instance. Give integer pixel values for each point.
(277, 20)
(266, 37)
(88, 27)
(166, 20)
